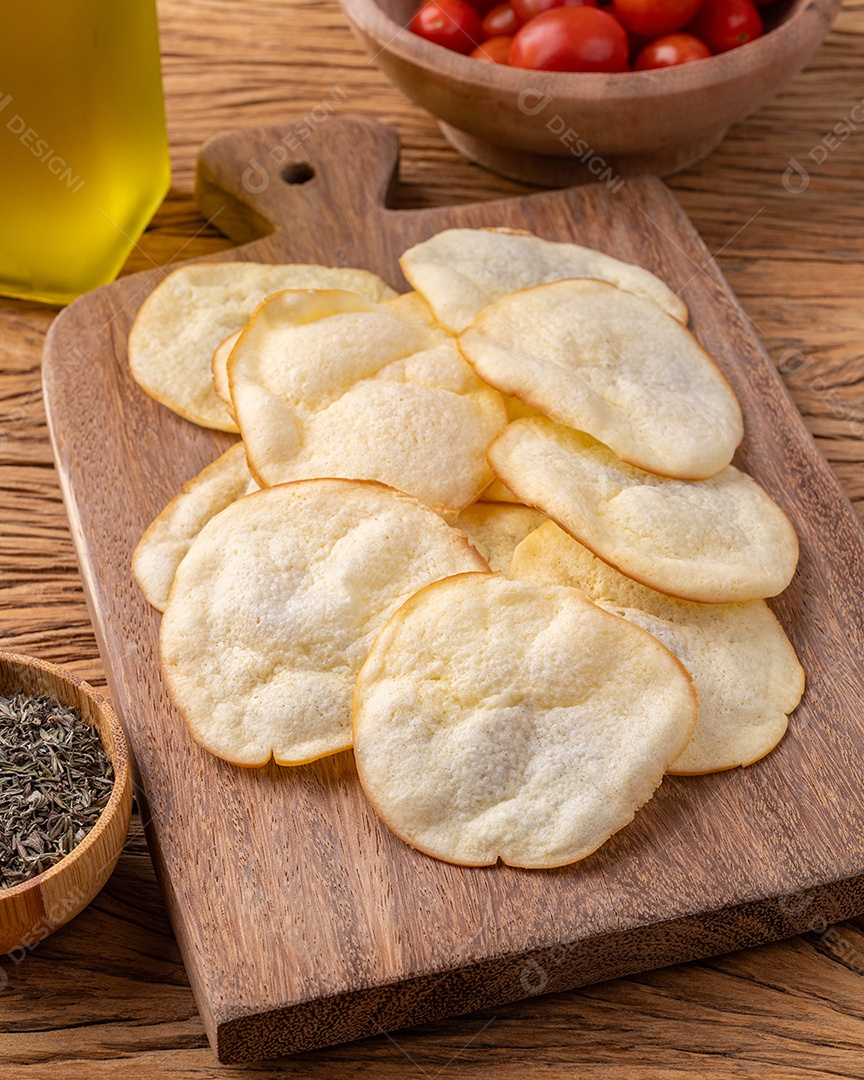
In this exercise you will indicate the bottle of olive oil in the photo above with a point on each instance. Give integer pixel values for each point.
(83, 150)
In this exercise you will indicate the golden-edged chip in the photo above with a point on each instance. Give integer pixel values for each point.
(460, 271)
(276, 604)
(744, 668)
(721, 540)
(196, 307)
(496, 529)
(325, 383)
(602, 360)
(164, 545)
(503, 719)
(410, 305)
(219, 369)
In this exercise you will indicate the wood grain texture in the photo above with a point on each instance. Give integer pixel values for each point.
(107, 995)
(302, 920)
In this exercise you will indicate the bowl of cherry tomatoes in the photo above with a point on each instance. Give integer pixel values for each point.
(556, 92)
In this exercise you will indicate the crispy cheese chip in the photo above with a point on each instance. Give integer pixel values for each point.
(163, 547)
(276, 604)
(196, 307)
(602, 360)
(219, 369)
(496, 529)
(460, 271)
(410, 305)
(744, 668)
(503, 719)
(325, 383)
(721, 540)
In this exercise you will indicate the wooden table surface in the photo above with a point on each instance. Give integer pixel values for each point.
(107, 996)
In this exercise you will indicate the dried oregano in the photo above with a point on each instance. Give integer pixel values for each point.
(55, 780)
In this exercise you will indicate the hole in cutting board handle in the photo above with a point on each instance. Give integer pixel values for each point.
(298, 172)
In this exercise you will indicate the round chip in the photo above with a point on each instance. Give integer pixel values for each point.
(744, 668)
(503, 719)
(721, 540)
(187, 315)
(162, 548)
(460, 271)
(409, 305)
(219, 369)
(604, 361)
(496, 529)
(275, 606)
(325, 383)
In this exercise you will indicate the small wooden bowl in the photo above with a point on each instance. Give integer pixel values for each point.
(36, 908)
(558, 129)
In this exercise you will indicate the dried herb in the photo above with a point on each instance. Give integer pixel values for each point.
(55, 780)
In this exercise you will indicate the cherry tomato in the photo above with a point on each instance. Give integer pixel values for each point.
(493, 51)
(653, 18)
(451, 23)
(571, 39)
(671, 50)
(501, 20)
(726, 24)
(528, 9)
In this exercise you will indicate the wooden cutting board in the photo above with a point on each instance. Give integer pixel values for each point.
(302, 920)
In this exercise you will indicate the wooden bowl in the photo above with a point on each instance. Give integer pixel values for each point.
(556, 129)
(36, 908)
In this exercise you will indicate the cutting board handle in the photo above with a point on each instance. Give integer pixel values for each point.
(318, 169)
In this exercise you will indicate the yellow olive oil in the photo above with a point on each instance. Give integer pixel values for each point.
(83, 150)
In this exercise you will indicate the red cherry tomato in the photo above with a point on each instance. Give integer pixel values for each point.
(726, 24)
(528, 9)
(493, 51)
(571, 39)
(671, 50)
(500, 20)
(451, 23)
(652, 18)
